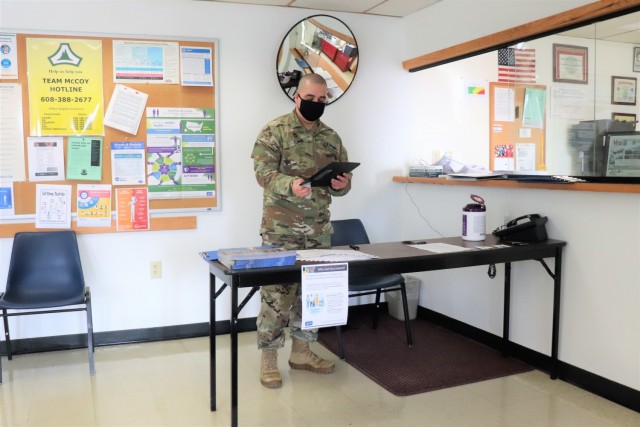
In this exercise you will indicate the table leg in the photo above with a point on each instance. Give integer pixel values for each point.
(507, 308)
(556, 313)
(212, 340)
(234, 353)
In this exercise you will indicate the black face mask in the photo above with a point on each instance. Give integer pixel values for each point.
(310, 110)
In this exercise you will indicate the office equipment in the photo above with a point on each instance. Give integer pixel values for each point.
(393, 257)
(622, 155)
(526, 228)
(323, 177)
(352, 232)
(45, 273)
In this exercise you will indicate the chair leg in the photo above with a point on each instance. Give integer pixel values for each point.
(7, 337)
(92, 370)
(340, 343)
(405, 309)
(377, 309)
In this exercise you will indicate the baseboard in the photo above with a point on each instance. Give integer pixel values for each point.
(593, 383)
(129, 336)
(603, 387)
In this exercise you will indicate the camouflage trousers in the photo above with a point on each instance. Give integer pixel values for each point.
(281, 304)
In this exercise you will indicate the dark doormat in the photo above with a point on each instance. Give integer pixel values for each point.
(438, 359)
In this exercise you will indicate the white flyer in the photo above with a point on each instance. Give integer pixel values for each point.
(325, 295)
(125, 109)
(46, 158)
(11, 132)
(128, 163)
(53, 206)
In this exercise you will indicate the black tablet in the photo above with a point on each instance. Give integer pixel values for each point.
(323, 177)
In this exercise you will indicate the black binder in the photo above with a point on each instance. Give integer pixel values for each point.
(323, 177)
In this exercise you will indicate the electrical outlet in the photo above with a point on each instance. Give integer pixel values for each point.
(156, 269)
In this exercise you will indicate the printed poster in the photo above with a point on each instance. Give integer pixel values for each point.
(132, 209)
(180, 153)
(128, 163)
(138, 61)
(94, 205)
(8, 56)
(65, 87)
(46, 158)
(7, 209)
(84, 158)
(53, 206)
(325, 295)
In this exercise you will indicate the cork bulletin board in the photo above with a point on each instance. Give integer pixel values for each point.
(162, 96)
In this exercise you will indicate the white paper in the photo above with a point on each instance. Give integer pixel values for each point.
(525, 157)
(128, 163)
(125, 109)
(46, 158)
(569, 103)
(197, 65)
(325, 295)
(53, 206)
(504, 110)
(331, 255)
(440, 248)
(12, 164)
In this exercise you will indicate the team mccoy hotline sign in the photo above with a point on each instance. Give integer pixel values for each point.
(65, 87)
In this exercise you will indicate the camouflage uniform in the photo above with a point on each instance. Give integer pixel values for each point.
(284, 151)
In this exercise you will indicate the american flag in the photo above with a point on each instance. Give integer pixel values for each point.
(517, 65)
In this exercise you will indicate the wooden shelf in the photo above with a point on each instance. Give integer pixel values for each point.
(157, 223)
(500, 183)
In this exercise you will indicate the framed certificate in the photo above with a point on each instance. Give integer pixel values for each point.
(570, 64)
(623, 90)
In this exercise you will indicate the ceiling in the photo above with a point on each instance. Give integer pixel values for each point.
(623, 29)
(398, 8)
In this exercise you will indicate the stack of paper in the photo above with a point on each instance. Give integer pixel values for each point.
(256, 257)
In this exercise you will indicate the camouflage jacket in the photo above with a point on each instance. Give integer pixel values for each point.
(284, 151)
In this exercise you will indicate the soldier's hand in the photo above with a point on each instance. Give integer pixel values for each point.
(299, 189)
(340, 182)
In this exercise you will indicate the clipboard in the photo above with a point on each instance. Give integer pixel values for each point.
(323, 177)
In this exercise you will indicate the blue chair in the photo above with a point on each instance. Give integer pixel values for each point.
(44, 274)
(352, 232)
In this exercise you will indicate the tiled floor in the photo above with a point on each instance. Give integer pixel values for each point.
(167, 384)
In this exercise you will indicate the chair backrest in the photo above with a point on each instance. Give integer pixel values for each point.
(45, 269)
(348, 232)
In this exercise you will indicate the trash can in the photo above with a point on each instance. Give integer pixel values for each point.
(394, 299)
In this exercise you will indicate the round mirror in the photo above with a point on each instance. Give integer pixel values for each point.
(318, 44)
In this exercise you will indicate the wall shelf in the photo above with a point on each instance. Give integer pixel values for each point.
(500, 183)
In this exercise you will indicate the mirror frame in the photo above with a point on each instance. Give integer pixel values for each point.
(284, 77)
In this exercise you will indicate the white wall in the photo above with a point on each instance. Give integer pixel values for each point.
(601, 300)
(600, 315)
(370, 119)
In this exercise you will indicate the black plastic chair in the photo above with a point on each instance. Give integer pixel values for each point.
(44, 273)
(352, 232)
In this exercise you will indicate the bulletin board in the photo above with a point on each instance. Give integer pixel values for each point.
(162, 96)
(517, 127)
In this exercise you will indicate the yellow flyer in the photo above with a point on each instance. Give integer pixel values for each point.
(65, 87)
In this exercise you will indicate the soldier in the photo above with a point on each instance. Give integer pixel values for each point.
(289, 148)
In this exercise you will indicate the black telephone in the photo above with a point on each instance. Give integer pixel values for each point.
(525, 228)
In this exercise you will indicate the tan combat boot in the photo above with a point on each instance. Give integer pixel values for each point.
(269, 374)
(303, 358)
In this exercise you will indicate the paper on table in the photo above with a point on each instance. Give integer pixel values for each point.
(332, 255)
(439, 248)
